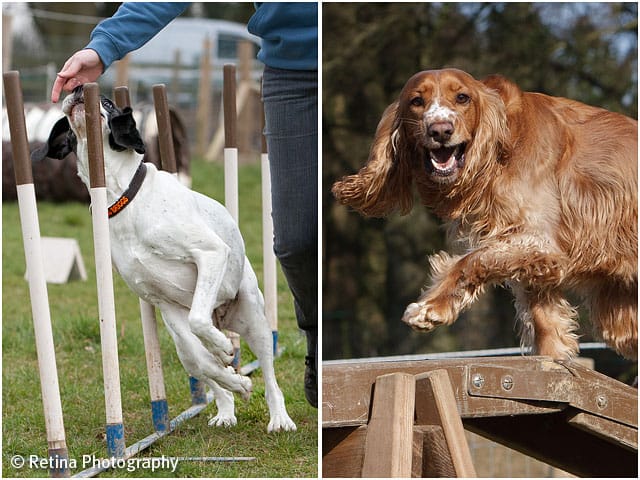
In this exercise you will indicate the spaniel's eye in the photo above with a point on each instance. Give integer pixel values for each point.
(417, 102)
(463, 98)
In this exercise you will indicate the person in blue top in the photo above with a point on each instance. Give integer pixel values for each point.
(289, 50)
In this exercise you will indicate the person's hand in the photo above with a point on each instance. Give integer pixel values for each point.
(84, 66)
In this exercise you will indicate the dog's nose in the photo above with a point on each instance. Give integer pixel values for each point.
(440, 131)
(78, 89)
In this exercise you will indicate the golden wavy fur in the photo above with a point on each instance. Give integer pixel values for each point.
(542, 190)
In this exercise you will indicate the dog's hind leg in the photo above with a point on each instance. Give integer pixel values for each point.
(202, 364)
(247, 318)
(613, 310)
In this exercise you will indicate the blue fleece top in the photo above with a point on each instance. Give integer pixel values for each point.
(289, 31)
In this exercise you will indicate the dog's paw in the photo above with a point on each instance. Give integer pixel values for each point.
(225, 356)
(244, 387)
(223, 350)
(281, 423)
(223, 420)
(425, 316)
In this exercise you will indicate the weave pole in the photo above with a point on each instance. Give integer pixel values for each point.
(104, 274)
(56, 441)
(231, 167)
(169, 164)
(157, 392)
(268, 255)
(270, 273)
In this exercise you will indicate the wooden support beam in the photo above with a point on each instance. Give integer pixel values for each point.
(436, 405)
(558, 412)
(343, 452)
(431, 457)
(389, 442)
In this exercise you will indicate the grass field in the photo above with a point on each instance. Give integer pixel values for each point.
(74, 315)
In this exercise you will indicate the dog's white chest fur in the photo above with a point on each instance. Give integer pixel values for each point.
(155, 241)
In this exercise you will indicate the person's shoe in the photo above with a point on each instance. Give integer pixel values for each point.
(311, 381)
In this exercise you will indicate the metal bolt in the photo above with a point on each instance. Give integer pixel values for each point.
(602, 401)
(477, 380)
(507, 382)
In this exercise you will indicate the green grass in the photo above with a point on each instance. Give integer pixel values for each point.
(74, 314)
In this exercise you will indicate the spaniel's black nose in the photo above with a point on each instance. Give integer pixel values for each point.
(440, 131)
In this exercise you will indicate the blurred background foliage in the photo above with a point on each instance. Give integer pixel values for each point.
(373, 268)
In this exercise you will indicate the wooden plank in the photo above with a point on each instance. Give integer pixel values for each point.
(346, 397)
(550, 439)
(613, 432)
(436, 405)
(388, 446)
(571, 384)
(343, 452)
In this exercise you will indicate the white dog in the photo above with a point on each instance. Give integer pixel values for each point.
(180, 251)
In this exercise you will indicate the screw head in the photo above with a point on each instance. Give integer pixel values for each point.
(602, 401)
(507, 382)
(477, 380)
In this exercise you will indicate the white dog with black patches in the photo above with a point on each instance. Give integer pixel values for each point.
(181, 252)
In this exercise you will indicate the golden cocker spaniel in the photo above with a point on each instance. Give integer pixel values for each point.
(541, 190)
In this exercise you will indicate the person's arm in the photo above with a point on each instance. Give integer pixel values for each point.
(133, 25)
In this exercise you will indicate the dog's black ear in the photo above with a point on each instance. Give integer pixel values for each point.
(124, 133)
(61, 142)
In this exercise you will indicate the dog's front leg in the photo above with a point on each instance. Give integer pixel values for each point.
(212, 267)
(458, 280)
(201, 364)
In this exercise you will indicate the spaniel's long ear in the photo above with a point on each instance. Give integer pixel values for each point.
(384, 183)
(502, 101)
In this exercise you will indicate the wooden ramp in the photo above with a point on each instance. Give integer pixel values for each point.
(407, 418)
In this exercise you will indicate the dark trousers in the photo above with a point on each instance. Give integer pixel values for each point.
(291, 129)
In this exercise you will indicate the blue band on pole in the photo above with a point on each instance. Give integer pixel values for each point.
(198, 392)
(160, 415)
(235, 363)
(275, 342)
(59, 463)
(115, 440)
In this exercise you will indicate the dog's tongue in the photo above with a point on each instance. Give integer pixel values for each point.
(442, 155)
(443, 158)
(77, 112)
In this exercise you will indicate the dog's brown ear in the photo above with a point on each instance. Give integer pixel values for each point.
(124, 133)
(384, 183)
(61, 142)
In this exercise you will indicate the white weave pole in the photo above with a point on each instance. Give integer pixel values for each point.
(230, 142)
(56, 441)
(157, 392)
(231, 167)
(104, 274)
(268, 255)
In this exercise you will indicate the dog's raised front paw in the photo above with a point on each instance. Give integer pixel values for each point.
(226, 356)
(223, 349)
(424, 316)
(281, 422)
(223, 420)
(244, 387)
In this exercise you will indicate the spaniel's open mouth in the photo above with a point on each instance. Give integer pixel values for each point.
(445, 161)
